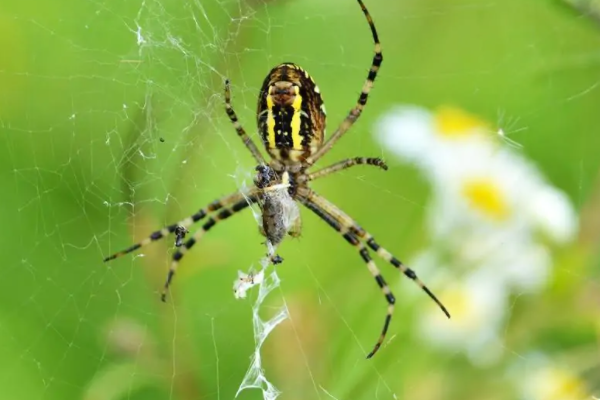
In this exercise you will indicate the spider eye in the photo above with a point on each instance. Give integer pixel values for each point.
(283, 92)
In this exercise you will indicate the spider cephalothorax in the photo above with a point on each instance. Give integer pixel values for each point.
(291, 124)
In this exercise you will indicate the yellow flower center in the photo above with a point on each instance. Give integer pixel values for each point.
(456, 123)
(487, 198)
(463, 311)
(560, 385)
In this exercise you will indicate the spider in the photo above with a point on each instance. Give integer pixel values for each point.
(291, 124)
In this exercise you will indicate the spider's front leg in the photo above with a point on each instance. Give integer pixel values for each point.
(355, 112)
(239, 128)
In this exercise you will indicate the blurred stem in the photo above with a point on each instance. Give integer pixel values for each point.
(589, 231)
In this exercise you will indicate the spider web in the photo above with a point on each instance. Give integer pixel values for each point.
(113, 126)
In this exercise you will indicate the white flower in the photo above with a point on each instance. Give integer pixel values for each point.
(553, 214)
(497, 188)
(427, 139)
(407, 131)
(545, 380)
(554, 384)
(490, 207)
(478, 306)
(478, 184)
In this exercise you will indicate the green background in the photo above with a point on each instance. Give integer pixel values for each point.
(83, 104)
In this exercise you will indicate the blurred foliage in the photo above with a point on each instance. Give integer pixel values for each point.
(87, 89)
(589, 8)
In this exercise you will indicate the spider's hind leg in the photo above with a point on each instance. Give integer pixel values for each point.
(389, 257)
(348, 223)
(352, 232)
(351, 238)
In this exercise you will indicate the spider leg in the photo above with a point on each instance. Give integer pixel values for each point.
(389, 257)
(212, 221)
(238, 127)
(181, 225)
(350, 225)
(364, 253)
(364, 94)
(344, 164)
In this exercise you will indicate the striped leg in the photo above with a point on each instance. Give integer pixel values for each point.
(362, 100)
(350, 162)
(238, 127)
(389, 257)
(349, 224)
(364, 253)
(180, 228)
(212, 221)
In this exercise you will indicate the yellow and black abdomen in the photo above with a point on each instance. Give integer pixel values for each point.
(291, 115)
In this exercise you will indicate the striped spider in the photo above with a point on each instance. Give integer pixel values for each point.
(291, 124)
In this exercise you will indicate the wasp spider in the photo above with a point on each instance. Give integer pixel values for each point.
(291, 123)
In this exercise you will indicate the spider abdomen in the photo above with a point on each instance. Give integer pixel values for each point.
(291, 116)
